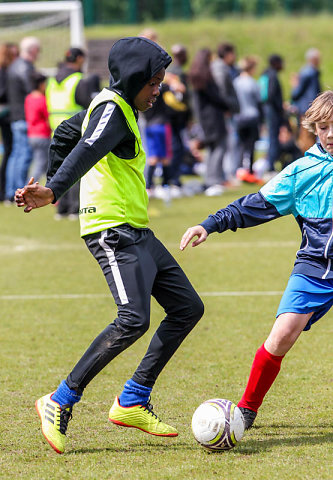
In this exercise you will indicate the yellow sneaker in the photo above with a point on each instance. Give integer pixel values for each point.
(54, 420)
(141, 417)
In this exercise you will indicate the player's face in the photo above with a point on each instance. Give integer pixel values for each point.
(149, 93)
(324, 130)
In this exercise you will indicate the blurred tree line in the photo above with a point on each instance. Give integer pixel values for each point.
(136, 11)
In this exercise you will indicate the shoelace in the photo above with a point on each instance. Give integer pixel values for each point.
(65, 417)
(149, 407)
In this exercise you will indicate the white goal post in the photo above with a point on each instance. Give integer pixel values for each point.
(57, 24)
(74, 8)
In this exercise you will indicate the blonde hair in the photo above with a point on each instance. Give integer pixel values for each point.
(247, 64)
(149, 33)
(320, 110)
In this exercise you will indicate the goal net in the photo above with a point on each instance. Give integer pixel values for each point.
(57, 24)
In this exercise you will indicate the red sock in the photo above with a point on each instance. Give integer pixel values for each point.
(264, 371)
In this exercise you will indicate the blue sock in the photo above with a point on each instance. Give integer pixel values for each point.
(65, 396)
(134, 394)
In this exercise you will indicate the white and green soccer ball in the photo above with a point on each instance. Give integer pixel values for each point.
(218, 424)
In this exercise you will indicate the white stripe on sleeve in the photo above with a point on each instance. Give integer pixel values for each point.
(101, 124)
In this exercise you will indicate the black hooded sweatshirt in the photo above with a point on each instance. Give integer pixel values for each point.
(133, 61)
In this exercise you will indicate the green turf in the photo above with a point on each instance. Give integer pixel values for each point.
(42, 337)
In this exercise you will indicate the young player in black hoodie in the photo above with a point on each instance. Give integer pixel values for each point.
(110, 161)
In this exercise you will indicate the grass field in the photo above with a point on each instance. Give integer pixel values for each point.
(54, 301)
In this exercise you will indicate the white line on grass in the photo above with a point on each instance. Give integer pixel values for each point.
(240, 294)
(75, 296)
(254, 244)
(33, 246)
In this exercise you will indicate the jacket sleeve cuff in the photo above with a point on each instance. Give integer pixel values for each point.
(47, 185)
(210, 225)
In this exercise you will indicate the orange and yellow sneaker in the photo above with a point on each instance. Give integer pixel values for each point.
(54, 420)
(141, 417)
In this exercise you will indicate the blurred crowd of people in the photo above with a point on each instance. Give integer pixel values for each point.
(225, 120)
(32, 105)
(211, 118)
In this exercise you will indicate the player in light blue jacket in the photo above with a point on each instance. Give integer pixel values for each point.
(303, 189)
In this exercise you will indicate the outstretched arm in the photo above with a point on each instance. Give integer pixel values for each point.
(274, 200)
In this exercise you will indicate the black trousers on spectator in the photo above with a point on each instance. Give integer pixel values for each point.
(137, 266)
(69, 203)
(248, 135)
(7, 139)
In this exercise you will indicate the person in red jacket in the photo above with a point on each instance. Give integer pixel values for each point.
(39, 131)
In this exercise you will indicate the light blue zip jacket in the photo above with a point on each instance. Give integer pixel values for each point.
(303, 189)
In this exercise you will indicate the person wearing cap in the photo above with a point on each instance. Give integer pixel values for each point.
(110, 161)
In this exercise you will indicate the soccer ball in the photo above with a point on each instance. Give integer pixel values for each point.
(218, 424)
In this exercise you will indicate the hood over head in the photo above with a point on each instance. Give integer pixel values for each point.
(133, 61)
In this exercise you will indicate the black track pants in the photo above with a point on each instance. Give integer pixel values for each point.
(136, 265)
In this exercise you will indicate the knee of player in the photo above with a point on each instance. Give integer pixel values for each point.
(143, 325)
(281, 340)
(134, 321)
(196, 308)
(200, 308)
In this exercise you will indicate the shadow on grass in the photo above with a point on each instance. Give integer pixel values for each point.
(324, 426)
(282, 435)
(134, 447)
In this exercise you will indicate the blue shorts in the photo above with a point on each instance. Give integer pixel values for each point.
(158, 141)
(306, 294)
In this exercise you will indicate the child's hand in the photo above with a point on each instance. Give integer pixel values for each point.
(197, 231)
(33, 196)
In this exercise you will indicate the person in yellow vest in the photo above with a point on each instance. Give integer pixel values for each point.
(67, 94)
(110, 161)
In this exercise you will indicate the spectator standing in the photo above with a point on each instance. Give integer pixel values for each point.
(271, 96)
(39, 131)
(227, 53)
(178, 104)
(306, 88)
(209, 107)
(6, 132)
(66, 94)
(159, 144)
(20, 74)
(224, 72)
(248, 119)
